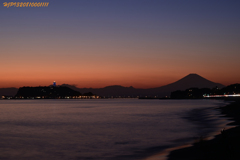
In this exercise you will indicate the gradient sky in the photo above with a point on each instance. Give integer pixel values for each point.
(139, 43)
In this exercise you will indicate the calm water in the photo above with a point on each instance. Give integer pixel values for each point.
(100, 129)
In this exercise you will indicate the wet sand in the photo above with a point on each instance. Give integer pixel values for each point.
(225, 146)
(208, 122)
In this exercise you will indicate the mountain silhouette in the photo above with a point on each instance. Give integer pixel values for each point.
(189, 81)
(194, 80)
(115, 90)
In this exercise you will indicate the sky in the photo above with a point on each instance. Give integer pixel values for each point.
(139, 43)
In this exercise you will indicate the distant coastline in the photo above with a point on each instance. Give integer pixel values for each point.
(230, 92)
(49, 92)
(118, 91)
(191, 86)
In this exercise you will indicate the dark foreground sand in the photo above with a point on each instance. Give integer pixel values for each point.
(225, 146)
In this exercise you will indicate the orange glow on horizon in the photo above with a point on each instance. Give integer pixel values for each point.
(144, 45)
(100, 81)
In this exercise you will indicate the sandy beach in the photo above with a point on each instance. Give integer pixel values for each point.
(225, 146)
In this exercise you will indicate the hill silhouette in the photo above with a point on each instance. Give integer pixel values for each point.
(189, 81)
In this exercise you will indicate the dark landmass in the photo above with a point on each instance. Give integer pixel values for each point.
(117, 91)
(225, 146)
(196, 93)
(46, 92)
(191, 93)
(231, 89)
(8, 91)
(190, 81)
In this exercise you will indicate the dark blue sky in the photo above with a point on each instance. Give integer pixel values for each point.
(143, 43)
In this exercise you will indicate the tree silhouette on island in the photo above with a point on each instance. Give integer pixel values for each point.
(51, 92)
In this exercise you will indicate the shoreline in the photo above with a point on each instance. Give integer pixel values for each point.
(208, 124)
(224, 145)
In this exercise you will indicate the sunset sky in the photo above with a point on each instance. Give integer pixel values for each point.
(139, 43)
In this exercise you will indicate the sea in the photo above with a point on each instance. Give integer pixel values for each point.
(103, 129)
